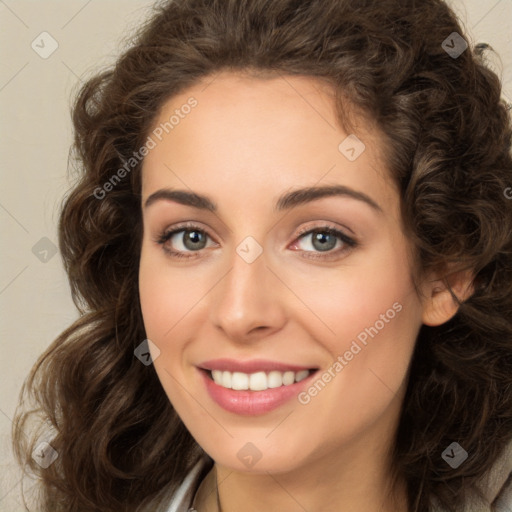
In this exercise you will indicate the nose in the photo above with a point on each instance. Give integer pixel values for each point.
(248, 303)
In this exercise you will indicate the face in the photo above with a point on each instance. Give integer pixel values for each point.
(278, 318)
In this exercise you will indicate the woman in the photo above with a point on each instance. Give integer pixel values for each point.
(291, 249)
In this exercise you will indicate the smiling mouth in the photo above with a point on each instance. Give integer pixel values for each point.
(258, 381)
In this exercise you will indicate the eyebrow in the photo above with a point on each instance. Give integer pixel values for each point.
(285, 202)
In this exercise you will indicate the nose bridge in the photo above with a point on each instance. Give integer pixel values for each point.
(246, 299)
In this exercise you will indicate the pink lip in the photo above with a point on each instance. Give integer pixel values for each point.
(251, 403)
(252, 366)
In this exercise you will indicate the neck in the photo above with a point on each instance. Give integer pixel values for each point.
(346, 487)
(351, 480)
(348, 475)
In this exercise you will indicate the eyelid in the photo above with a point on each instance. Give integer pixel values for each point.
(183, 226)
(319, 225)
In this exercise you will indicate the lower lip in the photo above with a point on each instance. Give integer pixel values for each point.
(250, 403)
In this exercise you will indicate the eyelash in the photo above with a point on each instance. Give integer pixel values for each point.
(350, 243)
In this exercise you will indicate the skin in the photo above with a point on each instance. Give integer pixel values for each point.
(248, 141)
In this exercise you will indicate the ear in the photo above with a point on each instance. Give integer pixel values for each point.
(439, 305)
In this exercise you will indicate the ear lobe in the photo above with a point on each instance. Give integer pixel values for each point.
(440, 306)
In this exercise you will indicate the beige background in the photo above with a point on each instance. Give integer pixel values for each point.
(35, 303)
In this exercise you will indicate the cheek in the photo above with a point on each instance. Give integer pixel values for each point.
(375, 319)
(167, 293)
(356, 300)
(154, 298)
(370, 318)
(165, 301)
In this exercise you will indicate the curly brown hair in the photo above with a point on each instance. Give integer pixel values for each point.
(121, 445)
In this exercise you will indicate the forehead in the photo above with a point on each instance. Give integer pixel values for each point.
(254, 133)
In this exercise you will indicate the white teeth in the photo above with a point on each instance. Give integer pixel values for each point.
(226, 380)
(274, 379)
(240, 381)
(301, 375)
(259, 381)
(288, 378)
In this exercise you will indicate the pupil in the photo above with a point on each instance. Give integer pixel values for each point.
(193, 239)
(325, 244)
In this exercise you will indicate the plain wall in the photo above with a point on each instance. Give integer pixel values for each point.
(35, 302)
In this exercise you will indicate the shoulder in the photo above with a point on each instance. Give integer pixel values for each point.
(181, 499)
(496, 487)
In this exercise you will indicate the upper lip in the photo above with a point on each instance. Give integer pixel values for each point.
(251, 366)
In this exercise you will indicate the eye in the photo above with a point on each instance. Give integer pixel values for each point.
(323, 239)
(322, 242)
(182, 240)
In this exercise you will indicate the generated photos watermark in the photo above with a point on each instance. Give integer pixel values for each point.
(454, 455)
(343, 360)
(151, 143)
